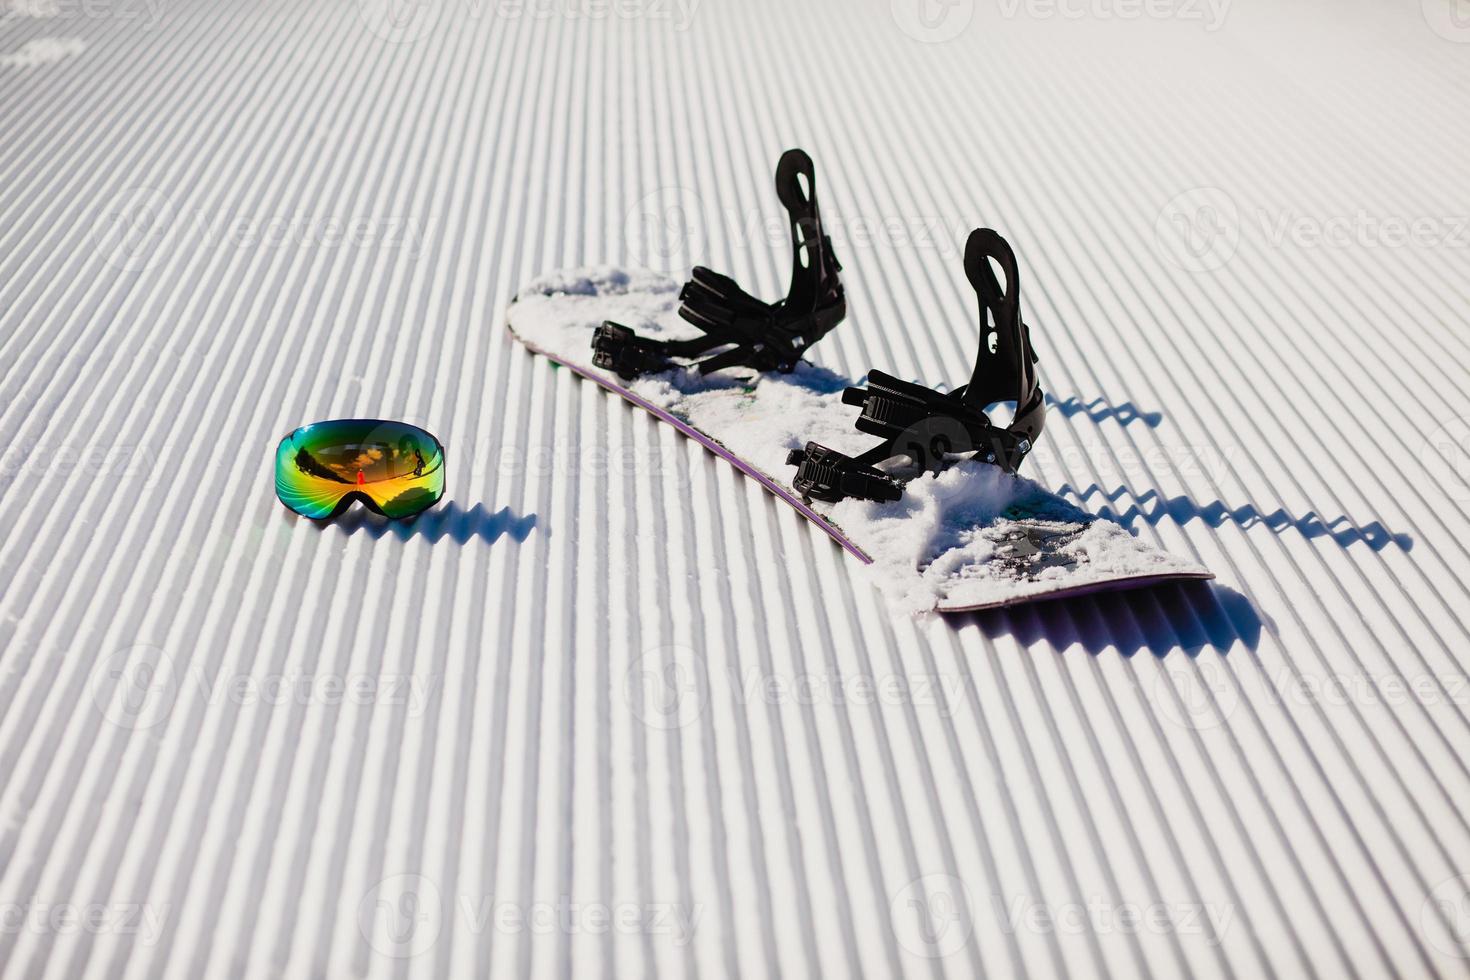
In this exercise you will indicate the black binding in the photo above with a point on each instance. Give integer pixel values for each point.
(930, 427)
(759, 335)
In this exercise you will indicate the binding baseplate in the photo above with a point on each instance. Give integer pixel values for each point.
(759, 335)
(932, 428)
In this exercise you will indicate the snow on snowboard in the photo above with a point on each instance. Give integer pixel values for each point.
(971, 536)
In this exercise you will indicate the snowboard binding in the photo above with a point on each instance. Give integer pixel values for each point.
(759, 335)
(933, 428)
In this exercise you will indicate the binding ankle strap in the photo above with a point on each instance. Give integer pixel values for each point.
(759, 335)
(933, 428)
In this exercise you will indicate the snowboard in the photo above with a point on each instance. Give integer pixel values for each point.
(969, 538)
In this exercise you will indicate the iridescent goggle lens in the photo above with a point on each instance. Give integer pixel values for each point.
(392, 468)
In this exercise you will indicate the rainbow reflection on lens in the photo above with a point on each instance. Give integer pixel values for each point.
(391, 467)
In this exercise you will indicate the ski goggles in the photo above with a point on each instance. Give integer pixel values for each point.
(392, 468)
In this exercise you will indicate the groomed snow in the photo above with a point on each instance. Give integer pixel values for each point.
(611, 674)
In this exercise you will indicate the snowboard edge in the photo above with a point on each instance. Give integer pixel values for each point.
(764, 479)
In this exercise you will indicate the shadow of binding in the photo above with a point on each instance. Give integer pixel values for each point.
(451, 521)
(1158, 619)
(1101, 410)
(1151, 509)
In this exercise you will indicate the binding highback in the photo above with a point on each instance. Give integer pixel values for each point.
(813, 264)
(931, 429)
(755, 334)
(1005, 364)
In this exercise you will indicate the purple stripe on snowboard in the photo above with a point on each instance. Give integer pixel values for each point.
(711, 445)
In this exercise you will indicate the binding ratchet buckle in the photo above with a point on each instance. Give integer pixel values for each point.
(759, 335)
(931, 428)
